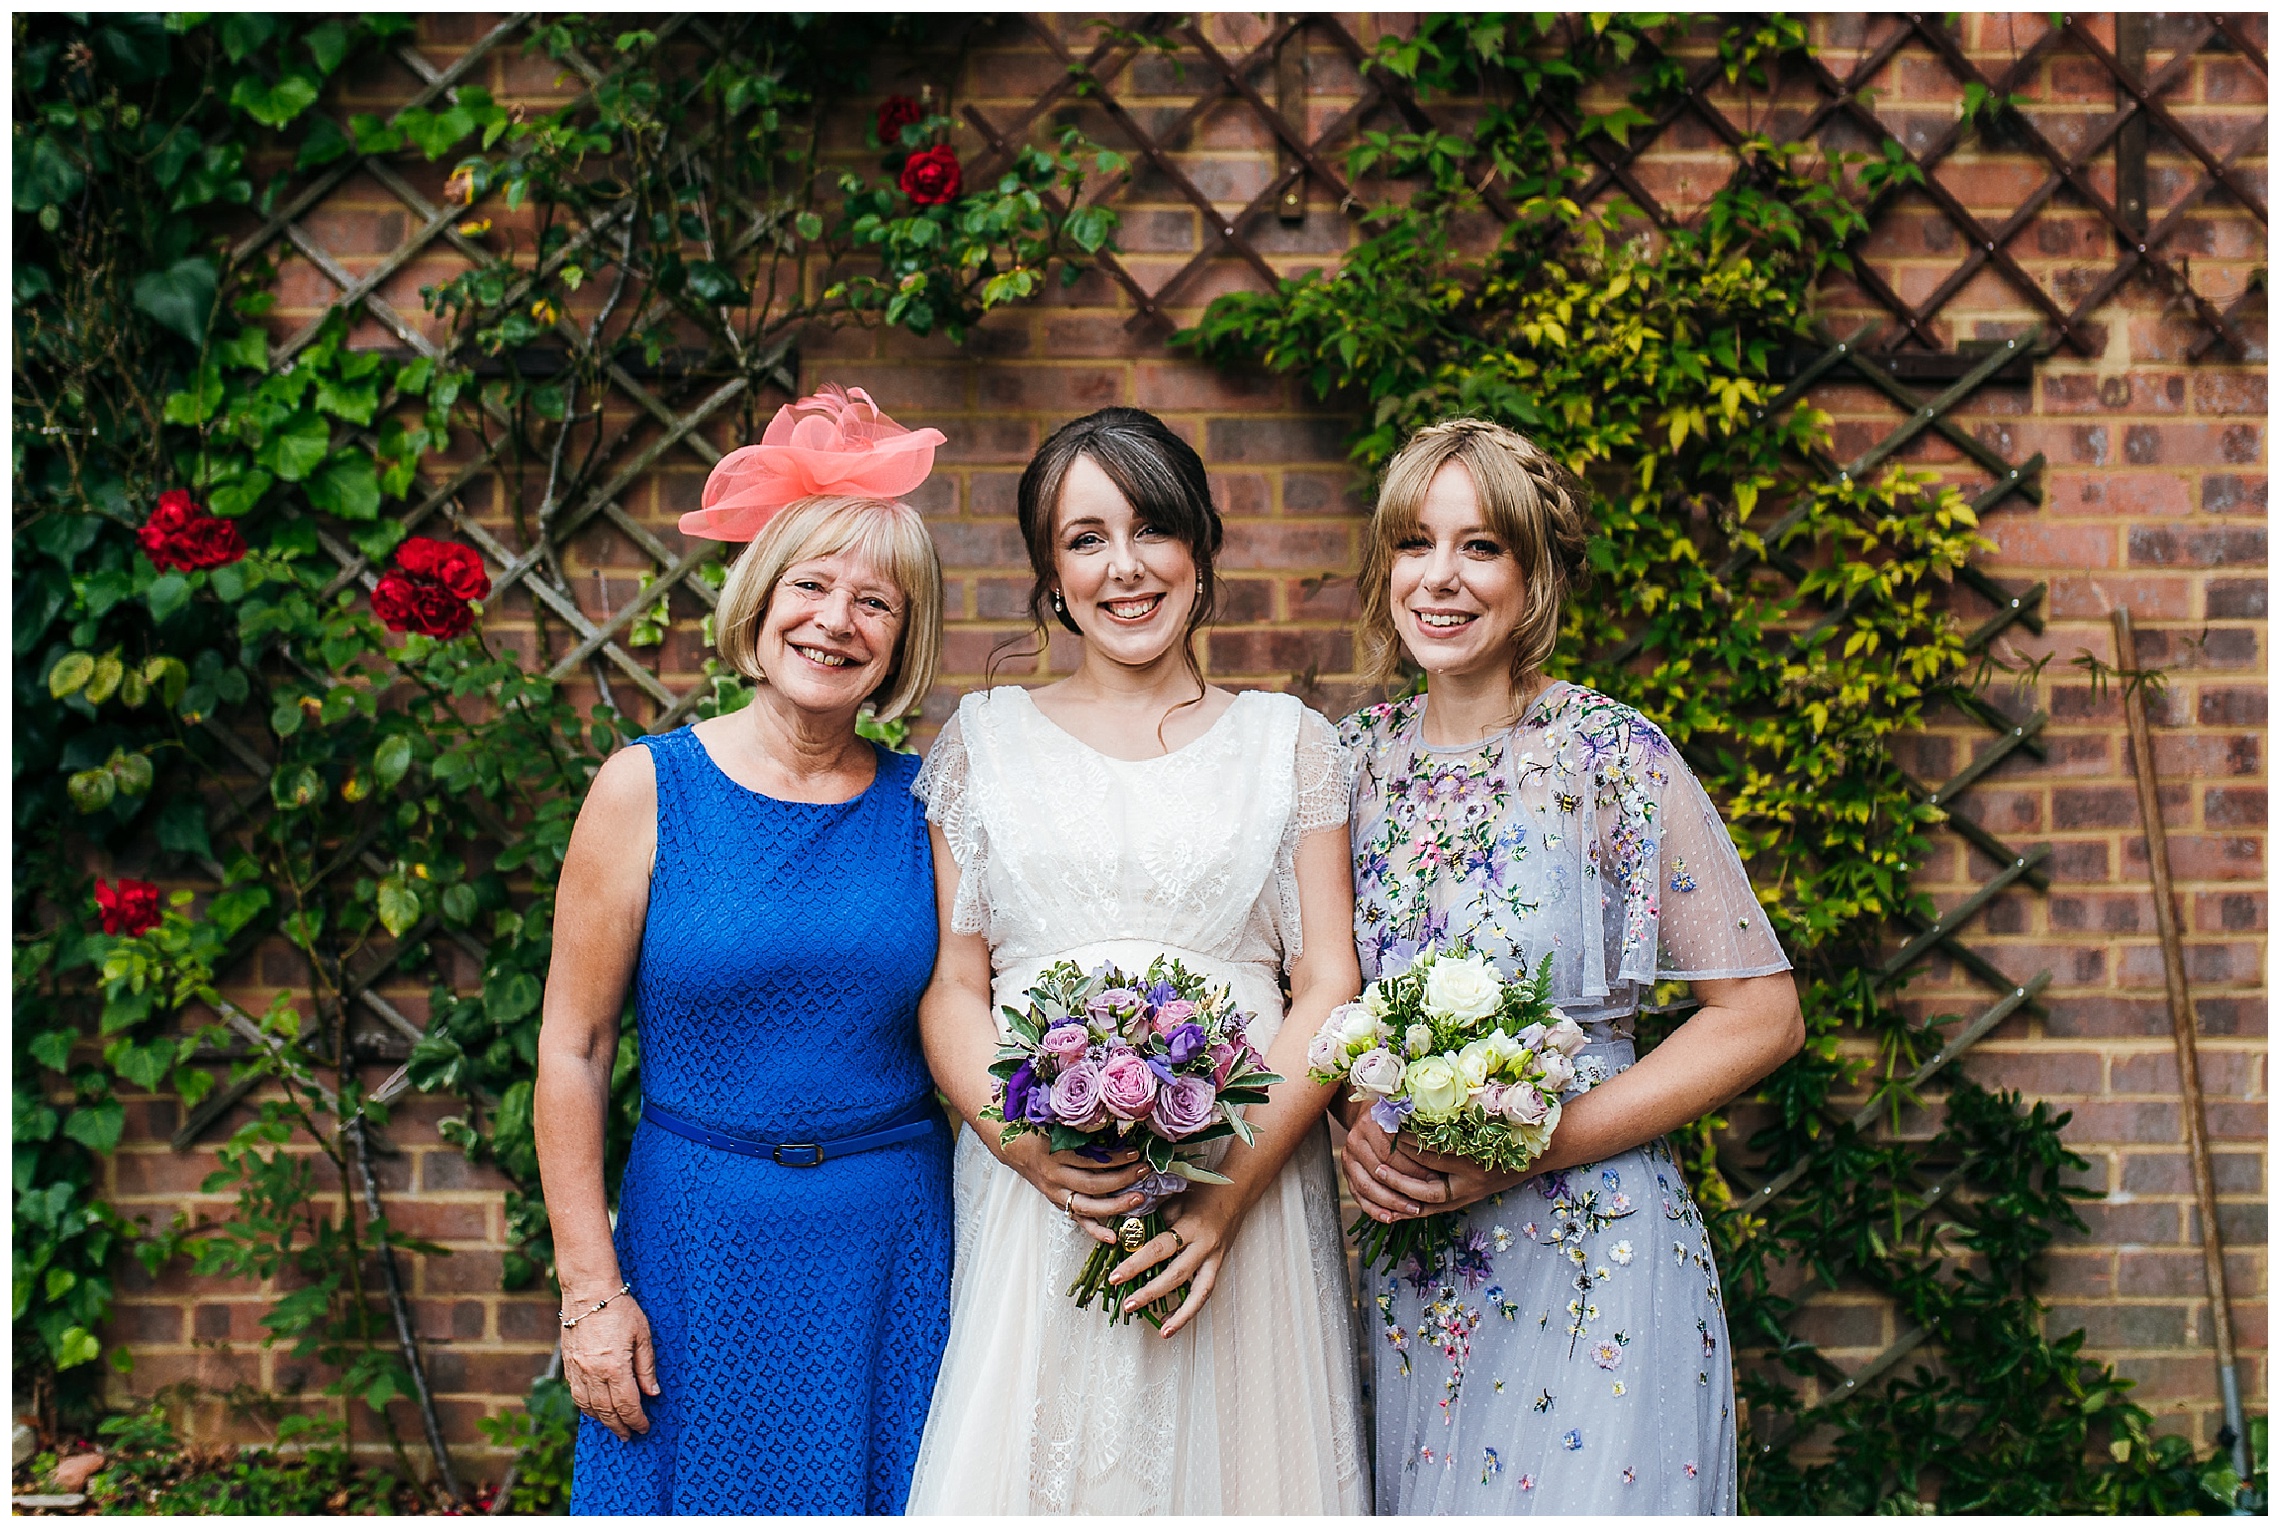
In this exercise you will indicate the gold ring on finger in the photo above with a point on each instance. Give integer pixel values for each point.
(1069, 1205)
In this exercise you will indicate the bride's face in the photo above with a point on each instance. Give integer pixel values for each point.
(1129, 585)
(1458, 597)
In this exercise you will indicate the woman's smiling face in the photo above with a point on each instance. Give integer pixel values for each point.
(1128, 584)
(830, 635)
(1457, 592)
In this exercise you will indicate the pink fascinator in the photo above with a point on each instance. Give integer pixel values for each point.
(835, 441)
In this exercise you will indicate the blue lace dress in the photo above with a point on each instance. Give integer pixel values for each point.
(799, 1313)
(1571, 1355)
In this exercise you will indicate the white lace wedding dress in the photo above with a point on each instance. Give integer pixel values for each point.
(1065, 853)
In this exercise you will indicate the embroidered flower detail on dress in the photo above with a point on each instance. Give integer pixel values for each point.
(1572, 1439)
(1502, 1238)
(1692, 1471)
(1490, 1464)
(1618, 1387)
(1680, 878)
(1607, 1355)
(1621, 1253)
(1630, 1475)
(1543, 1400)
(1527, 1482)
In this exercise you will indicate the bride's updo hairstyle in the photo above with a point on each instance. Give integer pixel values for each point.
(1159, 475)
(1533, 504)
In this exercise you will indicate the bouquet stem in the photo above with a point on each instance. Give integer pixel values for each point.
(1094, 1282)
(1385, 1248)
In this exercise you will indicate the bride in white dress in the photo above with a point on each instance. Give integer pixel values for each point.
(1126, 812)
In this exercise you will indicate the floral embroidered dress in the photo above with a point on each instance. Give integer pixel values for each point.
(1572, 1357)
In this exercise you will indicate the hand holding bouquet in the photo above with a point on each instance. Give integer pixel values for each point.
(1108, 1062)
(1469, 1064)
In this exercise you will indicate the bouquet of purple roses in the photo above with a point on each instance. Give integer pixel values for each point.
(1108, 1062)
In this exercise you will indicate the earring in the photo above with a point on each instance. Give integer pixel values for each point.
(1059, 609)
(1199, 583)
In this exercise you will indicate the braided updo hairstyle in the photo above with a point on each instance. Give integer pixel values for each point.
(1536, 506)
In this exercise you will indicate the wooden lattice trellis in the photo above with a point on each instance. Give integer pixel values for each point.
(668, 417)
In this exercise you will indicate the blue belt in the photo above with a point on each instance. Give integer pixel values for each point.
(926, 1118)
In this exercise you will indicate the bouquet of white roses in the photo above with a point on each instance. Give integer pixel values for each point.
(1466, 1063)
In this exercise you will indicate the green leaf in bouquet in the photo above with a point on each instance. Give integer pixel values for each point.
(1067, 1138)
(1182, 1168)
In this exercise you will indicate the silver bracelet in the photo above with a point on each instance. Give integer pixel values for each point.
(571, 1321)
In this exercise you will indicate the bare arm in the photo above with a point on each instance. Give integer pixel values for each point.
(1324, 975)
(960, 1037)
(1744, 1029)
(599, 911)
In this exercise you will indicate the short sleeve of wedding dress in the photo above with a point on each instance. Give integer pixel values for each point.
(1322, 801)
(941, 786)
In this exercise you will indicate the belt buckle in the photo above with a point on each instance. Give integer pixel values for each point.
(776, 1153)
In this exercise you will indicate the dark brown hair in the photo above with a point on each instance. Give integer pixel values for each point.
(1159, 475)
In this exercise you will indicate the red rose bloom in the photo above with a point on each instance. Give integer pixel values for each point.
(897, 112)
(456, 567)
(179, 536)
(408, 603)
(932, 176)
(128, 906)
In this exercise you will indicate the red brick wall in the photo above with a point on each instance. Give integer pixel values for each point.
(2155, 499)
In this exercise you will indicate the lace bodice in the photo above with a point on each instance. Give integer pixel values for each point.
(1060, 846)
(1579, 833)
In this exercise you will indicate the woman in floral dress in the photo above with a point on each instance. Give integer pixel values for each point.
(1571, 1354)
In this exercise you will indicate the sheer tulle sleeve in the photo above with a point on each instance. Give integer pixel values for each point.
(1324, 778)
(1711, 925)
(1323, 788)
(941, 785)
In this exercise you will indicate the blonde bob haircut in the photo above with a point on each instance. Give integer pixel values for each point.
(883, 532)
(1531, 503)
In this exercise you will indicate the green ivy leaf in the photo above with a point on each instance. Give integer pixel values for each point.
(234, 909)
(52, 1048)
(327, 44)
(231, 500)
(247, 349)
(46, 176)
(323, 144)
(348, 487)
(180, 297)
(278, 104)
(97, 1126)
(76, 1346)
(296, 450)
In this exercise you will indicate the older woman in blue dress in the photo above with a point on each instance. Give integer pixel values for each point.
(1570, 1356)
(762, 1332)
